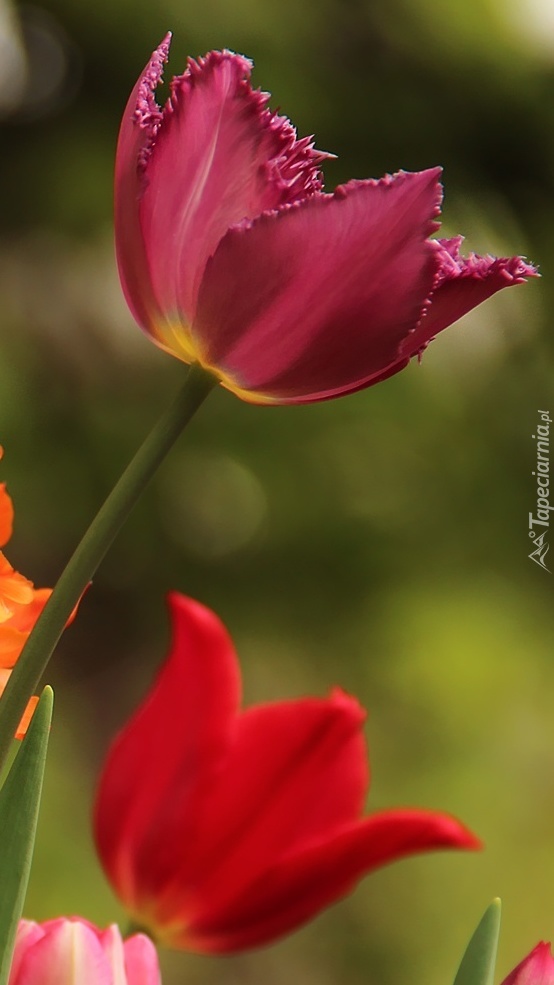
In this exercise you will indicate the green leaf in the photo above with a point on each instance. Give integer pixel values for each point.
(19, 806)
(479, 960)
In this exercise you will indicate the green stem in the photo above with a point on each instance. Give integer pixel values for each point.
(92, 549)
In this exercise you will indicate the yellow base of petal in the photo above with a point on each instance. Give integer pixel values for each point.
(178, 341)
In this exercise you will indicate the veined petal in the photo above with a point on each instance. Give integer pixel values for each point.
(214, 156)
(296, 771)
(462, 284)
(536, 969)
(139, 125)
(165, 761)
(298, 886)
(219, 156)
(315, 301)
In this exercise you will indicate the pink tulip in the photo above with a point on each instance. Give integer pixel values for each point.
(222, 829)
(536, 969)
(231, 255)
(74, 952)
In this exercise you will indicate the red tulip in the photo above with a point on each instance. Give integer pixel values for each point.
(223, 829)
(74, 952)
(231, 255)
(536, 969)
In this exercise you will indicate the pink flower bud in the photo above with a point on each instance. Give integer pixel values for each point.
(536, 969)
(74, 952)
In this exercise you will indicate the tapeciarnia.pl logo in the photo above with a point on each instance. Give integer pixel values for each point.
(542, 475)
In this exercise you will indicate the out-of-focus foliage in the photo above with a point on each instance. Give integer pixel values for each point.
(378, 542)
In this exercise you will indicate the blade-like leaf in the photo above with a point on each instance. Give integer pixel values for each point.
(19, 805)
(479, 960)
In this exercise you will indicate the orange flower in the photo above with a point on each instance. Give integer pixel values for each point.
(15, 590)
(15, 630)
(6, 512)
(20, 603)
(29, 711)
(20, 606)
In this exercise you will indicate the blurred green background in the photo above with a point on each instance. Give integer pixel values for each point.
(377, 542)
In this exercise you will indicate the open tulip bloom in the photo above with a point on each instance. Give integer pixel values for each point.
(232, 256)
(222, 829)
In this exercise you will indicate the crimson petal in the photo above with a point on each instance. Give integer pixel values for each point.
(300, 884)
(296, 771)
(163, 763)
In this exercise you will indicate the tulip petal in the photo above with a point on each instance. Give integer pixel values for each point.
(536, 969)
(314, 301)
(15, 590)
(297, 770)
(214, 156)
(15, 631)
(302, 883)
(28, 932)
(141, 119)
(6, 515)
(162, 765)
(462, 284)
(74, 952)
(70, 952)
(141, 961)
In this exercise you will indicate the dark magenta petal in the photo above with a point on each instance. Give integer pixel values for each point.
(536, 969)
(296, 887)
(168, 756)
(139, 125)
(462, 284)
(315, 300)
(217, 155)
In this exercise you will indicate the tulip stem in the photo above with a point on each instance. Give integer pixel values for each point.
(97, 540)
